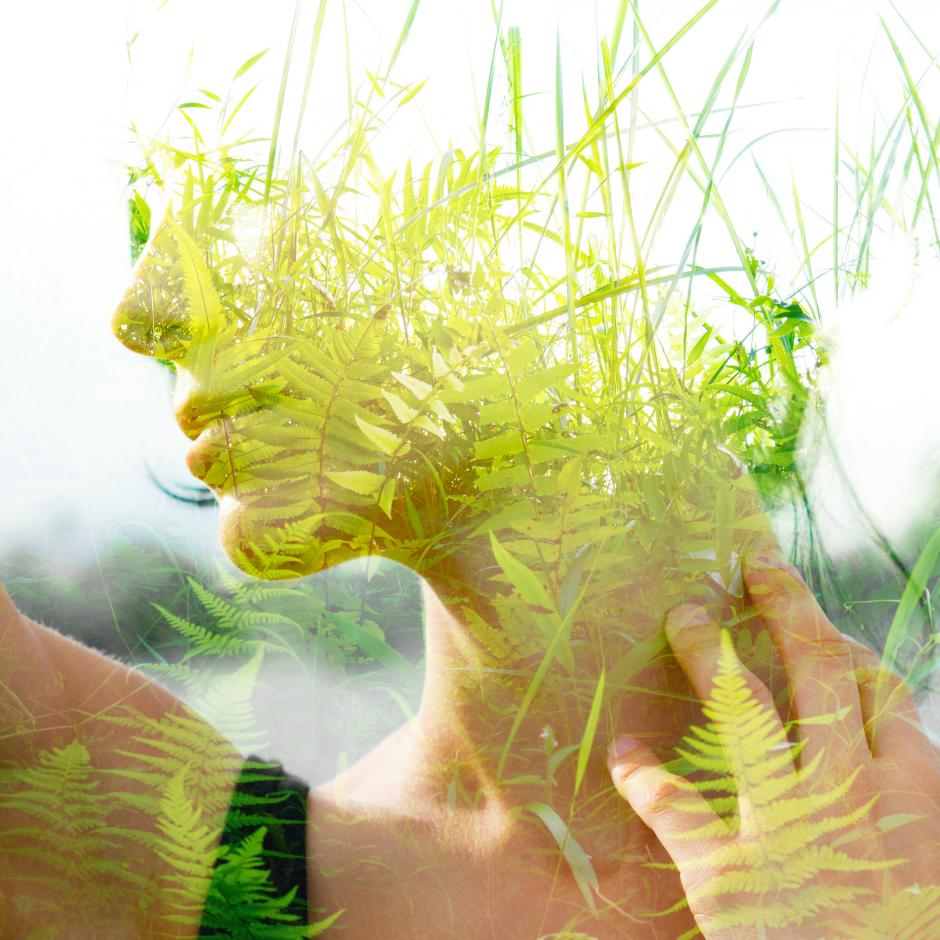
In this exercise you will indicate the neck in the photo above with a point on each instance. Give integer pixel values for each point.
(495, 737)
(441, 799)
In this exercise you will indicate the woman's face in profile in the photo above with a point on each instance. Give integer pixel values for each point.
(320, 410)
(389, 384)
(213, 305)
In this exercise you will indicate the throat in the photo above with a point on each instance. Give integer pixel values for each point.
(521, 747)
(516, 749)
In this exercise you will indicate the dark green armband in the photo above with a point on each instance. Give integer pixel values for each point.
(259, 881)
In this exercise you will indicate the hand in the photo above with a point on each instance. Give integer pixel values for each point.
(827, 824)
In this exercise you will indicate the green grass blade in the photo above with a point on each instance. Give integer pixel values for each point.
(590, 731)
(565, 208)
(806, 261)
(513, 55)
(924, 570)
(403, 35)
(914, 92)
(311, 59)
(535, 683)
(836, 163)
(279, 107)
(578, 860)
(618, 30)
(601, 119)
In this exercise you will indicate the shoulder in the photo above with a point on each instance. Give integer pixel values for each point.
(57, 680)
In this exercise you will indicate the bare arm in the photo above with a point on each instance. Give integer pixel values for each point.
(66, 709)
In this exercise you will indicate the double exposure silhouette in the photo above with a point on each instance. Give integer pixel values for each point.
(635, 721)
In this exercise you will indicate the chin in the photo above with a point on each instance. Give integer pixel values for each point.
(231, 525)
(263, 547)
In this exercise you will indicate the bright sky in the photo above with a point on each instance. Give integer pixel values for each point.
(79, 413)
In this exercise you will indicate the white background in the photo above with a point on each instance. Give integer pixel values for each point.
(77, 412)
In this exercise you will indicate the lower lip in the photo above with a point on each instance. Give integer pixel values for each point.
(205, 450)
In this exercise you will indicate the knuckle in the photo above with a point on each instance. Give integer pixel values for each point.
(696, 642)
(762, 695)
(659, 795)
(829, 644)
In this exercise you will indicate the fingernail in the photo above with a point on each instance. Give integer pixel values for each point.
(621, 746)
(768, 558)
(687, 615)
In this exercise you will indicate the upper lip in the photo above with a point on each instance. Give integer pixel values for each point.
(196, 412)
(195, 406)
(214, 434)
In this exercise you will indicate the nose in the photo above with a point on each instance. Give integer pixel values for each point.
(171, 311)
(151, 318)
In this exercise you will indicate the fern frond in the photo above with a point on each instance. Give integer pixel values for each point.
(167, 747)
(188, 847)
(58, 824)
(227, 616)
(770, 864)
(909, 914)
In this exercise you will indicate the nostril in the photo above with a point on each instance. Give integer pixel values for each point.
(194, 417)
(137, 326)
(131, 332)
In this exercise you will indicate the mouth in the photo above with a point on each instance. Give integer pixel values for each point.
(255, 458)
(228, 455)
(207, 456)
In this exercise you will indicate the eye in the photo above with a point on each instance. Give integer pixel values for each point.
(148, 205)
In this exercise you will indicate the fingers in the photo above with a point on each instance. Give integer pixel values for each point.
(681, 819)
(821, 675)
(892, 722)
(696, 642)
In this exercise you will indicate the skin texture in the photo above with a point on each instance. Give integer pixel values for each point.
(859, 723)
(56, 691)
(398, 859)
(434, 832)
(406, 857)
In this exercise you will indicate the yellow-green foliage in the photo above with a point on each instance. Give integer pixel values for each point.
(76, 865)
(390, 382)
(242, 901)
(771, 860)
(445, 365)
(236, 631)
(436, 364)
(909, 914)
(70, 854)
(224, 889)
(167, 748)
(187, 846)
